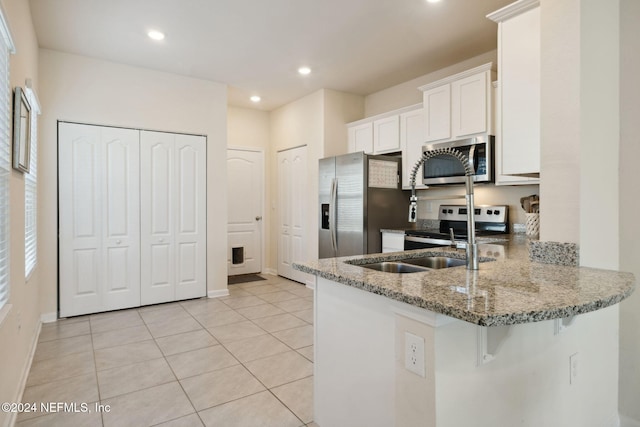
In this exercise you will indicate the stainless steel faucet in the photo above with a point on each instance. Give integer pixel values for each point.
(472, 247)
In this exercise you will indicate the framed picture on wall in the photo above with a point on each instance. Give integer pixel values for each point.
(21, 131)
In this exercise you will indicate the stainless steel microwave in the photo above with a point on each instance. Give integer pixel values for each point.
(446, 169)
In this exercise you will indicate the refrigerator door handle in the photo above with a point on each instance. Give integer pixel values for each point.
(333, 214)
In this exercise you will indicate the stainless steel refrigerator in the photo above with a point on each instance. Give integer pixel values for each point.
(359, 195)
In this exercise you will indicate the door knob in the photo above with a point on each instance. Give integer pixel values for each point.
(258, 218)
(118, 242)
(161, 240)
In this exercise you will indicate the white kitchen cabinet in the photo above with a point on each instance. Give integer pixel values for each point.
(360, 137)
(459, 105)
(383, 133)
(518, 142)
(437, 111)
(386, 134)
(412, 138)
(392, 242)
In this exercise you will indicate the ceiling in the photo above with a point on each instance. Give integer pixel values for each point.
(256, 46)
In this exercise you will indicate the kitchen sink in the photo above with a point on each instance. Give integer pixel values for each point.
(436, 262)
(415, 265)
(394, 267)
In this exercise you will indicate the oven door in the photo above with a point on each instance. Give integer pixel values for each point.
(419, 242)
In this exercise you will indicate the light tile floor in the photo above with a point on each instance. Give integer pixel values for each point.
(241, 360)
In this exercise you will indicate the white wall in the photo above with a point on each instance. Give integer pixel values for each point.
(629, 231)
(19, 328)
(87, 90)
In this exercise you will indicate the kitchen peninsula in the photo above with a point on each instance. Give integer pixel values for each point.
(514, 343)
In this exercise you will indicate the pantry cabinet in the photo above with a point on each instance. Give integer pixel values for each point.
(459, 105)
(518, 92)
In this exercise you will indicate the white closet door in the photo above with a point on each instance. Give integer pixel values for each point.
(172, 216)
(191, 233)
(299, 203)
(99, 219)
(292, 196)
(284, 204)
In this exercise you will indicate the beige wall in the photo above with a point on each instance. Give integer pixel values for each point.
(560, 121)
(87, 90)
(629, 206)
(19, 328)
(318, 121)
(297, 123)
(249, 128)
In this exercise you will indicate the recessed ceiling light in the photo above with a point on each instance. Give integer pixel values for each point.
(255, 98)
(155, 35)
(304, 70)
(433, 1)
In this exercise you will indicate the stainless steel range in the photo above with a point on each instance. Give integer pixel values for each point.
(490, 220)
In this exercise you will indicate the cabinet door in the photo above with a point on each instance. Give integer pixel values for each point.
(469, 107)
(519, 39)
(392, 242)
(386, 135)
(437, 108)
(99, 219)
(361, 138)
(412, 137)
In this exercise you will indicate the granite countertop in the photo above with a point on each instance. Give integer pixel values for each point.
(507, 291)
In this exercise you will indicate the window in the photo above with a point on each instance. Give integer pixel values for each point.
(6, 47)
(30, 189)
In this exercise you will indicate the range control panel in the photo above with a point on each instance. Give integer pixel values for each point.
(483, 213)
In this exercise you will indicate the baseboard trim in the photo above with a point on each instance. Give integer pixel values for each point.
(311, 283)
(49, 317)
(628, 422)
(11, 421)
(218, 293)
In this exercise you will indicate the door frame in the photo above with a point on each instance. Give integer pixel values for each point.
(263, 245)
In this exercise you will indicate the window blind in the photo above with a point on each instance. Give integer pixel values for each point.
(6, 47)
(31, 190)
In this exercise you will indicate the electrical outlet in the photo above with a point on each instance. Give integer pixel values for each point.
(429, 207)
(573, 368)
(414, 354)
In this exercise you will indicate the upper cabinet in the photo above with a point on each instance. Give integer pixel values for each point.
(459, 105)
(360, 137)
(518, 93)
(380, 134)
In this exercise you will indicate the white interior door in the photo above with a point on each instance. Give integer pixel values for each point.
(173, 216)
(245, 183)
(292, 203)
(99, 219)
